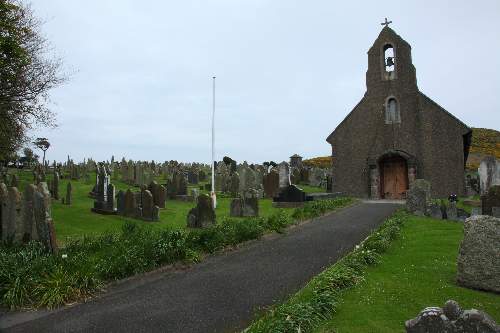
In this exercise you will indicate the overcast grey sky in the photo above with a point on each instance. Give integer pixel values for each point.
(287, 72)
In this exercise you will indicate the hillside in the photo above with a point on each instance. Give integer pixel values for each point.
(484, 142)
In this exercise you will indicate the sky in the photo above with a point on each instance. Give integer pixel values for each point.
(288, 72)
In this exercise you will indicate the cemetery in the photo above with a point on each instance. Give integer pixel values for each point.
(396, 230)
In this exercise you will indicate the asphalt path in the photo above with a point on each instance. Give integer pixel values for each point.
(221, 294)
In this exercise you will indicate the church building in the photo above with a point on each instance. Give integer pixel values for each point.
(396, 134)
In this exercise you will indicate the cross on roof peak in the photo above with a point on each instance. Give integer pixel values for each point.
(386, 23)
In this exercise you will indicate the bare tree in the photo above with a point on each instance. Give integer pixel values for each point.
(28, 71)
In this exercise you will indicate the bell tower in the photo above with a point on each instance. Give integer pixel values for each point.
(389, 64)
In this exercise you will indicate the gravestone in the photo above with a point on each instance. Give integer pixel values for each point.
(203, 215)
(476, 211)
(104, 202)
(284, 175)
(451, 211)
(244, 207)
(3, 211)
(271, 184)
(28, 214)
(193, 177)
(478, 264)
(434, 211)
(69, 194)
(13, 214)
(44, 226)
(490, 199)
(202, 176)
(147, 205)
(130, 209)
(14, 181)
(495, 212)
(418, 197)
(489, 173)
(234, 184)
(451, 319)
(120, 202)
(291, 193)
(55, 186)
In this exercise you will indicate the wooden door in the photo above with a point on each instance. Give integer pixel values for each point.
(395, 178)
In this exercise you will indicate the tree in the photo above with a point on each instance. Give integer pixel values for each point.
(43, 144)
(28, 71)
(28, 155)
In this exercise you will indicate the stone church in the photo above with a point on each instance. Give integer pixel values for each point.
(396, 134)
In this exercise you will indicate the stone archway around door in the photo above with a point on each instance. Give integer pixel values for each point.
(391, 174)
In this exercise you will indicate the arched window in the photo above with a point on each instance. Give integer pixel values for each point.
(392, 111)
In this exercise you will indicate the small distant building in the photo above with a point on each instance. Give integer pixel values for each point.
(396, 134)
(296, 161)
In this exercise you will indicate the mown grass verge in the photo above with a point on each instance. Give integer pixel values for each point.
(31, 277)
(319, 299)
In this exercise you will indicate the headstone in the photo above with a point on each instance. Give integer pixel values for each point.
(476, 211)
(418, 197)
(104, 202)
(147, 205)
(120, 202)
(244, 207)
(130, 209)
(489, 173)
(234, 184)
(435, 211)
(495, 212)
(271, 184)
(69, 194)
(284, 175)
(29, 228)
(194, 194)
(490, 199)
(451, 319)
(43, 221)
(14, 182)
(13, 215)
(155, 216)
(55, 186)
(4, 197)
(478, 264)
(291, 193)
(203, 215)
(451, 211)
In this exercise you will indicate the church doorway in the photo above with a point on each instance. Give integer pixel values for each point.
(393, 177)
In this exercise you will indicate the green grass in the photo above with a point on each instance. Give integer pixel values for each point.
(77, 220)
(417, 271)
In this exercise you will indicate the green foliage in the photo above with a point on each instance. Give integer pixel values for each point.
(319, 301)
(320, 207)
(32, 277)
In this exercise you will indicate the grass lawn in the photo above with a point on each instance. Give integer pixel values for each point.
(417, 271)
(77, 220)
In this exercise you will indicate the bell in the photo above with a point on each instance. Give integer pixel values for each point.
(390, 61)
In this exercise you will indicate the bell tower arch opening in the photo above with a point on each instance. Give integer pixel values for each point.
(388, 62)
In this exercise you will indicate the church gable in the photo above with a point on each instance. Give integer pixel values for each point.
(396, 134)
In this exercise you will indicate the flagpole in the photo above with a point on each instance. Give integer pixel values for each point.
(214, 198)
